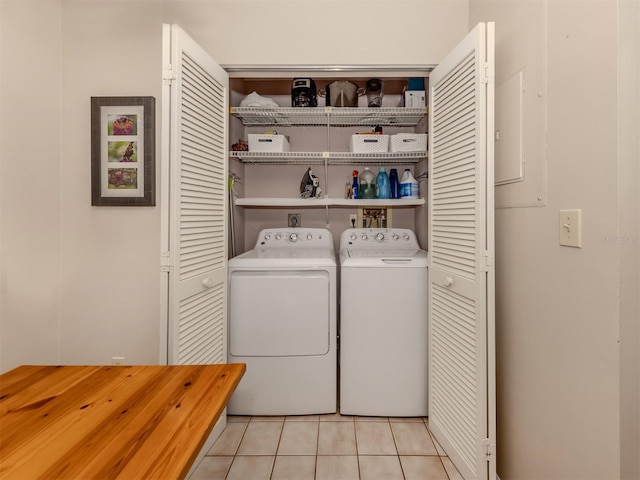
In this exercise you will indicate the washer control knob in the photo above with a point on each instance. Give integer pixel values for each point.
(278, 236)
(267, 237)
(380, 237)
(309, 236)
(353, 236)
(364, 236)
(405, 237)
(395, 236)
(293, 237)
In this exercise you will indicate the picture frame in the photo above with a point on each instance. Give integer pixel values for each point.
(123, 151)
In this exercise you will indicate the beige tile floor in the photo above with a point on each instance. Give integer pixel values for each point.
(326, 447)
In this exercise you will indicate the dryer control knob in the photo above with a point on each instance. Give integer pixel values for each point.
(395, 236)
(309, 236)
(380, 237)
(353, 236)
(405, 237)
(278, 236)
(267, 237)
(293, 237)
(364, 236)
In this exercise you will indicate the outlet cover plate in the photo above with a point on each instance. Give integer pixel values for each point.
(570, 228)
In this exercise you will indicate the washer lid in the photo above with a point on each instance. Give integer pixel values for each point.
(385, 253)
(285, 257)
(384, 258)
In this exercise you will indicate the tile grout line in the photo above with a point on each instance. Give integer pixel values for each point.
(275, 457)
(235, 454)
(395, 443)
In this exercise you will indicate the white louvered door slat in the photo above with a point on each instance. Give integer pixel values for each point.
(197, 285)
(462, 383)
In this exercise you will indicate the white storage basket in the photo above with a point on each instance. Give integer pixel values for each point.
(268, 143)
(369, 143)
(408, 142)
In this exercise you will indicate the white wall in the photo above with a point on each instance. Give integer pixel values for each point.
(110, 298)
(80, 283)
(629, 233)
(560, 405)
(322, 32)
(30, 127)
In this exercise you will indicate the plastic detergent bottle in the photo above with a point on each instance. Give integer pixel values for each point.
(394, 183)
(354, 186)
(382, 181)
(367, 184)
(408, 185)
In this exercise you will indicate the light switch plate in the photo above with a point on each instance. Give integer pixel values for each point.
(570, 227)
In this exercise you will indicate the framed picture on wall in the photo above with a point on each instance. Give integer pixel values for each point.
(123, 151)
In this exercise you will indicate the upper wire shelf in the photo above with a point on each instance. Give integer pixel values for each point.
(332, 158)
(332, 116)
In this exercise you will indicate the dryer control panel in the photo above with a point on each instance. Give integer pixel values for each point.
(295, 238)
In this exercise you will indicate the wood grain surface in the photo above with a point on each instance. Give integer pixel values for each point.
(102, 422)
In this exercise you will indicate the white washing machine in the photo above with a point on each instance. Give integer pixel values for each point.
(383, 323)
(282, 324)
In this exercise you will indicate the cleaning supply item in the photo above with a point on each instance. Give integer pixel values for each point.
(382, 181)
(367, 184)
(348, 189)
(408, 185)
(394, 183)
(354, 186)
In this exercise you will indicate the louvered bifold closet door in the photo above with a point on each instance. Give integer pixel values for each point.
(459, 246)
(198, 204)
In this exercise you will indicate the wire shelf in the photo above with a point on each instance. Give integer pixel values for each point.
(332, 158)
(332, 116)
(275, 202)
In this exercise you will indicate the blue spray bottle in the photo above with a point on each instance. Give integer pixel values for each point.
(354, 187)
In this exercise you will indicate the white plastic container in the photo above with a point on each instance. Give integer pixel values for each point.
(268, 143)
(369, 143)
(415, 99)
(408, 142)
(409, 185)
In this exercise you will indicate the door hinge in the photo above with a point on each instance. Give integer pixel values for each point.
(166, 262)
(168, 75)
(487, 261)
(486, 72)
(489, 449)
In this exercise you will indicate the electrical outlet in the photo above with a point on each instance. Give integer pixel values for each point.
(353, 220)
(295, 220)
(117, 360)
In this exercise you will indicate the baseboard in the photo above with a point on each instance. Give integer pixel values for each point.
(215, 433)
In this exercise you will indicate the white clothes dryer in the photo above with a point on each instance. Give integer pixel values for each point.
(383, 324)
(282, 324)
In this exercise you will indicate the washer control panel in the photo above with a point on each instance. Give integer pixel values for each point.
(295, 238)
(396, 238)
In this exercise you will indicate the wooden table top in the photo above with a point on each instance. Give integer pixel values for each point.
(134, 422)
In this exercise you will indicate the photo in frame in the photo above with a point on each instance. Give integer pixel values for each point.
(123, 151)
